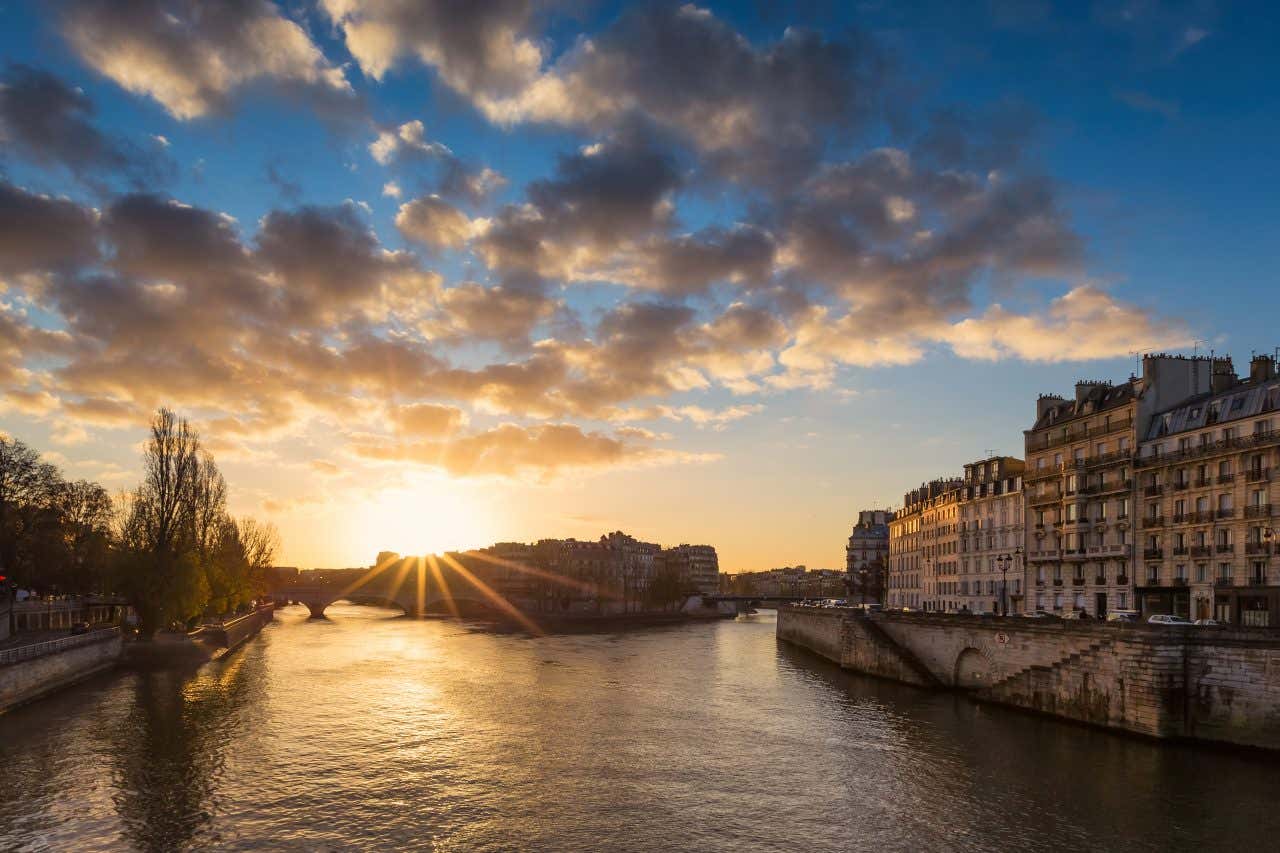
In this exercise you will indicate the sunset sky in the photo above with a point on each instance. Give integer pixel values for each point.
(430, 275)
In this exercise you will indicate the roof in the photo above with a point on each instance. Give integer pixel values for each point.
(1247, 399)
(1099, 398)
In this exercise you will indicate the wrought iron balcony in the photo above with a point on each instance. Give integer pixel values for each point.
(1201, 551)
(1257, 511)
(1258, 475)
(1153, 521)
(1153, 553)
(1153, 491)
(1223, 479)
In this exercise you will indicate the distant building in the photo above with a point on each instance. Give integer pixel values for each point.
(696, 565)
(867, 555)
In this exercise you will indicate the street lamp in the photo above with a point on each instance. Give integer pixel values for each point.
(1005, 560)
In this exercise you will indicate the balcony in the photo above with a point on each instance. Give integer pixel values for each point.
(1257, 511)
(1181, 518)
(1223, 582)
(1153, 553)
(1225, 548)
(1047, 554)
(1227, 512)
(1201, 551)
(1223, 479)
(1203, 482)
(1115, 486)
(1181, 485)
(1153, 581)
(1202, 516)
(1257, 548)
(1100, 580)
(1057, 581)
(1043, 500)
(1122, 579)
(1179, 552)
(1153, 521)
(1073, 554)
(1077, 581)
(1257, 580)
(1153, 491)
(1257, 475)
(1179, 581)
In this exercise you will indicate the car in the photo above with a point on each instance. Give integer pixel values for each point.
(1077, 615)
(80, 628)
(1038, 614)
(1123, 616)
(1167, 619)
(1211, 623)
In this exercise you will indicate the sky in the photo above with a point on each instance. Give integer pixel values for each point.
(432, 275)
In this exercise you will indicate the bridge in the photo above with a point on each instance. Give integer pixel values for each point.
(318, 598)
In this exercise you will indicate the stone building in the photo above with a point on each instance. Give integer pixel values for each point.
(1207, 497)
(867, 555)
(696, 565)
(1079, 484)
(991, 536)
(923, 547)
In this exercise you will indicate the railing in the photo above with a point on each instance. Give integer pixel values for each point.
(1227, 512)
(1257, 511)
(1153, 491)
(1226, 548)
(1223, 479)
(1257, 475)
(1201, 551)
(1153, 521)
(1221, 582)
(1203, 482)
(1179, 581)
(61, 644)
(1077, 581)
(1181, 518)
(1202, 516)
(1179, 552)
(1122, 578)
(1153, 553)
(1057, 581)
(1153, 581)
(1258, 548)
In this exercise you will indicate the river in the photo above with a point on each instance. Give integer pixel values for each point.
(371, 732)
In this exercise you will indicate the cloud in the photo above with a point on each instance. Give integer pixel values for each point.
(39, 233)
(541, 451)
(408, 141)
(194, 57)
(49, 123)
(1084, 323)
(433, 222)
(1144, 103)
(428, 420)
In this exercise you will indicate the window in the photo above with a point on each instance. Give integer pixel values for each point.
(1202, 573)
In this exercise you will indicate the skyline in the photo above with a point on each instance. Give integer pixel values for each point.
(434, 281)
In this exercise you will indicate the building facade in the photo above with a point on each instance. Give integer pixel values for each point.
(697, 566)
(1206, 478)
(991, 536)
(1082, 535)
(867, 556)
(923, 547)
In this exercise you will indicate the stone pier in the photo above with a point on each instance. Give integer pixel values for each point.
(1214, 684)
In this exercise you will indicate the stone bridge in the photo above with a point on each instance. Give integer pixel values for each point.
(1201, 683)
(407, 599)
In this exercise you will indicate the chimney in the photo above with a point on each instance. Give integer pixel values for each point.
(1224, 375)
(1262, 368)
(1045, 402)
(1083, 388)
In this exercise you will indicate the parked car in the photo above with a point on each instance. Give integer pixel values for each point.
(1038, 614)
(1208, 622)
(80, 628)
(1167, 619)
(1123, 616)
(1077, 614)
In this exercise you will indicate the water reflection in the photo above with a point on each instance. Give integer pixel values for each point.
(375, 732)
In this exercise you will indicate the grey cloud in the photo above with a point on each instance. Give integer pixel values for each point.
(50, 123)
(40, 233)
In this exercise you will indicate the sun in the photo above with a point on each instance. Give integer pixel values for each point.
(428, 515)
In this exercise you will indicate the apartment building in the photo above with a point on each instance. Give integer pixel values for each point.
(924, 546)
(1079, 484)
(697, 566)
(991, 536)
(1206, 475)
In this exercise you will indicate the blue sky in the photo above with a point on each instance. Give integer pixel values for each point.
(784, 265)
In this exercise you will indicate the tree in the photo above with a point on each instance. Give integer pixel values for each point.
(159, 566)
(27, 489)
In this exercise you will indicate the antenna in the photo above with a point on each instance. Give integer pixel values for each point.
(990, 453)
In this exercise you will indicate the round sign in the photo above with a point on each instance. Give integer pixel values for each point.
(1002, 638)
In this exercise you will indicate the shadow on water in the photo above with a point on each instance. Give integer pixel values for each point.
(170, 749)
(1056, 785)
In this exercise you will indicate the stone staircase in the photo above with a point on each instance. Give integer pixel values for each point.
(1068, 687)
(908, 657)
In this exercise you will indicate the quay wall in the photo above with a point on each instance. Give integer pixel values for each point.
(30, 679)
(1215, 684)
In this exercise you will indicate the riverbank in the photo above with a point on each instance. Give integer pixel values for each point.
(1218, 685)
(33, 670)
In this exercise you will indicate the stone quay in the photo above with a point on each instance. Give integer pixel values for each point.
(1214, 684)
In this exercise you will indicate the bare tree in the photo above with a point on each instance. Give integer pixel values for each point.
(27, 490)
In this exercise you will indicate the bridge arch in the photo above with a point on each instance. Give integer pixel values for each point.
(973, 669)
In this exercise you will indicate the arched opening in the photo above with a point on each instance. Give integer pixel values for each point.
(973, 670)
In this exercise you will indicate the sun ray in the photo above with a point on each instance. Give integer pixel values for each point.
(488, 592)
(445, 592)
(554, 577)
(422, 588)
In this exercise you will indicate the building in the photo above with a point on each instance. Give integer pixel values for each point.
(696, 565)
(1079, 484)
(991, 536)
(923, 544)
(867, 555)
(1206, 470)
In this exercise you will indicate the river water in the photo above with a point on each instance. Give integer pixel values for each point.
(371, 732)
